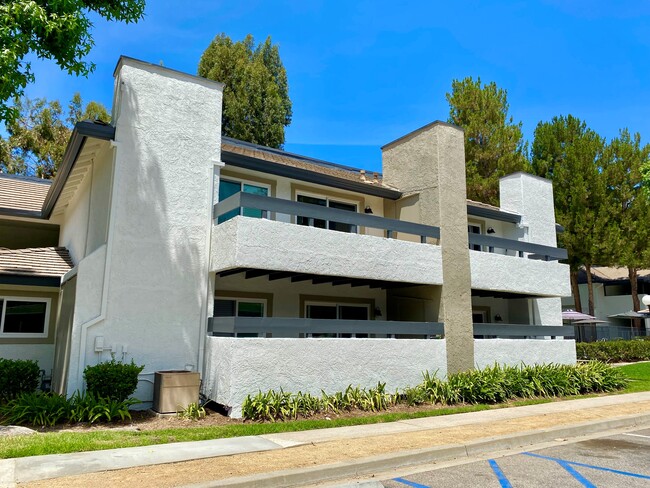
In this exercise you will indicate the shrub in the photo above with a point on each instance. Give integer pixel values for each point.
(193, 411)
(48, 409)
(493, 384)
(17, 376)
(112, 379)
(617, 351)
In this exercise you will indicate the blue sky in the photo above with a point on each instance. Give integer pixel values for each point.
(364, 73)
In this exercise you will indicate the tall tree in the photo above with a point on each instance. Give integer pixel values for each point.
(567, 152)
(627, 206)
(38, 137)
(494, 144)
(60, 31)
(256, 103)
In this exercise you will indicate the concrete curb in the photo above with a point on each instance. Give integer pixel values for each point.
(304, 476)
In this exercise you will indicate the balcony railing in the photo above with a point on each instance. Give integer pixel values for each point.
(269, 205)
(296, 327)
(534, 251)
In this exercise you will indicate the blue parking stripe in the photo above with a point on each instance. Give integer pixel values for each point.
(583, 465)
(499, 474)
(410, 483)
(585, 482)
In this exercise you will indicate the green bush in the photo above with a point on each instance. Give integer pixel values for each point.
(48, 409)
(112, 379)
(17, 376)
(494, 384)
(617, 351)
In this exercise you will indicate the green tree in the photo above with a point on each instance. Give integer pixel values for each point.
(256, 104)
(494, 144)
(567, 152)
(38, 137)
(56, 30)
(627, 207)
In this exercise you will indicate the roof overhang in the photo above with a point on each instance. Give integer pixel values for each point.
(489, 213)
(30, 280)
(82, 132)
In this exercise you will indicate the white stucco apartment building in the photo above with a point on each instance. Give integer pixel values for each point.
(163, 242)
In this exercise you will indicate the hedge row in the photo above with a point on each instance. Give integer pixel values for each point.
(618, 351)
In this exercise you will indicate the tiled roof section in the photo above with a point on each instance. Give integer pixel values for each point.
(35, 261)
(281, 157)
(23, 192)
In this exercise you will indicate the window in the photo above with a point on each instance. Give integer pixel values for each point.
(228, 188)
(474, 229)
(240, 307)
(24, 317)
(336, 311)
(324, 224)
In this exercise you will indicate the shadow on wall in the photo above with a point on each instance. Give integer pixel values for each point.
(158, 281)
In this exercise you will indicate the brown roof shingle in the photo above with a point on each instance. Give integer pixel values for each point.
(23, 193)
(35, 261)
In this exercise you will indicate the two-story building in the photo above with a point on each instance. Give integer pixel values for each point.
(163, 242)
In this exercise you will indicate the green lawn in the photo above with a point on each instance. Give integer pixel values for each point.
(65, 442)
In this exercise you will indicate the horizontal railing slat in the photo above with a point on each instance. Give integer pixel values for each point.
(513, 245)
(279, 326)
(288, 207)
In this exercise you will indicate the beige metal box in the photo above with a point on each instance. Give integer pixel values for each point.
(174, 390)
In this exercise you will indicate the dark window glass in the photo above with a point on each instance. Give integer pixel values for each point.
(321, 312)
(351, 312)
(321, 224)
(474, 229)
(256, 190)
(24, 317)
(224, 308)
(338, 225)
(250, 309)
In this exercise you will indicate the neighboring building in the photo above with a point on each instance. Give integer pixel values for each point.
(613, 305)
(305, 275)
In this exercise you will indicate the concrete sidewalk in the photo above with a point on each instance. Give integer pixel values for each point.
(298, 458)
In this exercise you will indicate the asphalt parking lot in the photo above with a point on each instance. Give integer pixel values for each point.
(621, 460)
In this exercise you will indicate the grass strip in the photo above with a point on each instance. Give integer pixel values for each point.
(67, 442)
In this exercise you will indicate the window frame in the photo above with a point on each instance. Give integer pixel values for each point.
(328, 199)
(25, 335)
(242, 182)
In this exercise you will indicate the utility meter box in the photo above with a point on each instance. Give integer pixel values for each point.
(175, 390)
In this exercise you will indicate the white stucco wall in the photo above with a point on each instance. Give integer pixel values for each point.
(527, 351)
(238, 367)
(155, 288)
(519, 275)
(266, 244)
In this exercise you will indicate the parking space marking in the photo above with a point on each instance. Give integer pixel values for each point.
(583, 465)
(503, 481)
(410, 483)
(585, 482)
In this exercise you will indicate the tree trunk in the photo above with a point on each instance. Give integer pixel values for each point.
(636, 304)
(590, 289)
(575, 291)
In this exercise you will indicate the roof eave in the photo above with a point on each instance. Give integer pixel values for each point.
(82, 131)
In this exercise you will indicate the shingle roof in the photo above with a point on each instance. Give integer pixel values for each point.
(35, 261)
(23, 192)
(604, 273)
(304, 162)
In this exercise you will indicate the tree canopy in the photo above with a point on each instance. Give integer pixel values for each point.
(256, 104)
(59, 31)
(39, 135)
(494, 145)
(569, 153)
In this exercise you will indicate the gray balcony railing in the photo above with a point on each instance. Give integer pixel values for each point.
(269, 205)
(295, 327)
(534, 251)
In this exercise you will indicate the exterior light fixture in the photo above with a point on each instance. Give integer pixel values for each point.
(367, 210)
(490, 230)
(497, 318)
(377, 312)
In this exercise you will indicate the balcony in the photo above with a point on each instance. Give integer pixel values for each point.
(266, 243)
